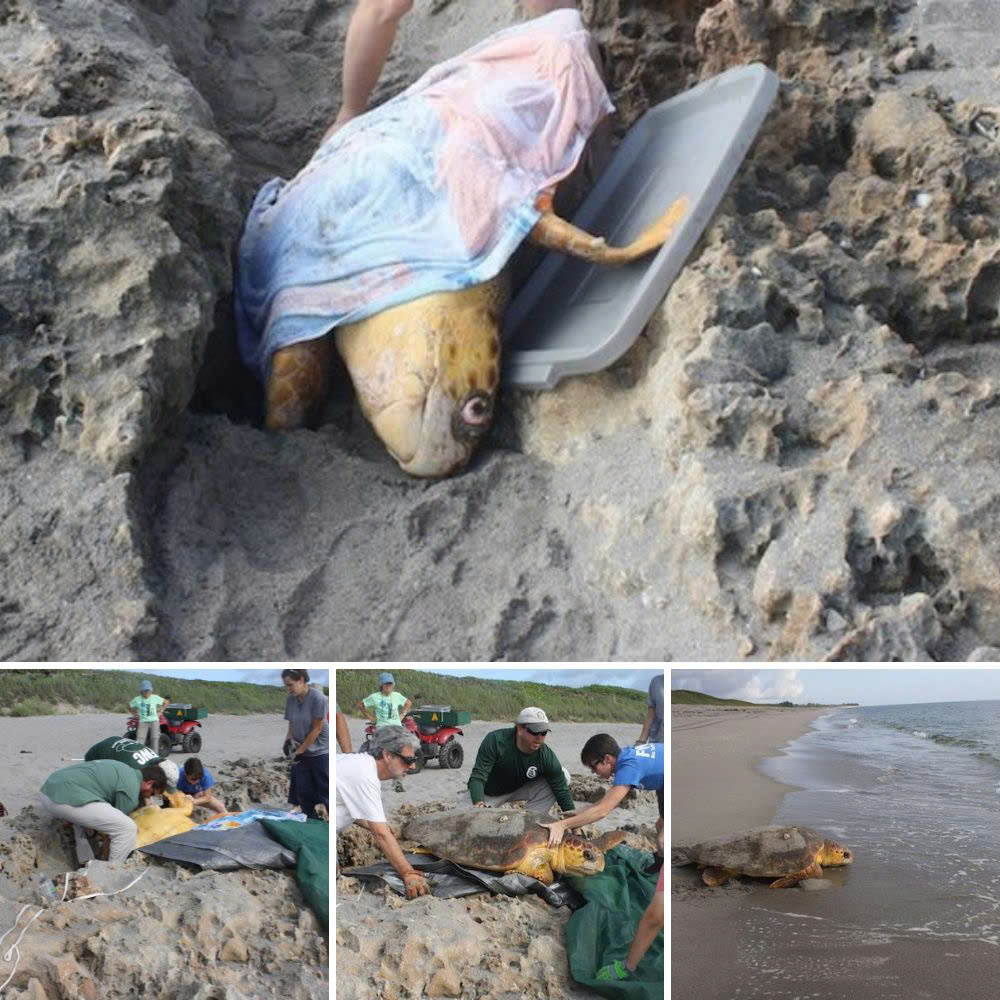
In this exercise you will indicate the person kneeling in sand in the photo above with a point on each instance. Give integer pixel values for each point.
(359, 795)
(99, 795)
(515, 765)
(196, 780)
(633, 767)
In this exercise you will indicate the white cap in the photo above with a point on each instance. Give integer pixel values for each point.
(171, 770)
(534, 720)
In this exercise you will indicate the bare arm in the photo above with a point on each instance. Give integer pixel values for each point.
(343, 733)
(599, 809)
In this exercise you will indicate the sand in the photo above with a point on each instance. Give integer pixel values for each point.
(241, 935)
(866, 936)
(717, 748)
(715, 789)
(40, 745)
(480, 946)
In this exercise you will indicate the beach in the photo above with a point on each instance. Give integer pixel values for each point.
(913, 916)
(177, 931)
(476, 946)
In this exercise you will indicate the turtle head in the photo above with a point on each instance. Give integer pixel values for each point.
(834, 854)
(427, 374)
(575, 856)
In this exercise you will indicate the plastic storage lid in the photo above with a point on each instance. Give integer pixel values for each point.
(572, 317)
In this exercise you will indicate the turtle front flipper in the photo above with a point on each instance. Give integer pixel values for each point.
(717, 876)
(296, 383)
(556, 233)
(786, 882)
(536, 863)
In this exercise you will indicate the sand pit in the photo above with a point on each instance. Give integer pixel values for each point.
(239, 935)
(477, 946)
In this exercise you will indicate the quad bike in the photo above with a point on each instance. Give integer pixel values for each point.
(437, 741)
(179, 727)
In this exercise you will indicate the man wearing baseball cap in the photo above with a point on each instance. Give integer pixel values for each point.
(135, 754)
(515, 765)
(385, 704)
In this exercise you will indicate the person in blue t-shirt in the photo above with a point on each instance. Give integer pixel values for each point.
(633, 767)
(196, 780)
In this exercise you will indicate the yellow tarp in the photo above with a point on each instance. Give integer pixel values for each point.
(156, 823)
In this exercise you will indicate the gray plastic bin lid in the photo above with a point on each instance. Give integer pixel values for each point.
(571, 317)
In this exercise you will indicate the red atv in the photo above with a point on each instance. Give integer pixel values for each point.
(179, 727)
(437, 742)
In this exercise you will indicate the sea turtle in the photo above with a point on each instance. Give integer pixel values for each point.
(791, 852)
(508, 840)
(427, 371)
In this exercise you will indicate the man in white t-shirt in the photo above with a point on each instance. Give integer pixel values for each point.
(359, 795)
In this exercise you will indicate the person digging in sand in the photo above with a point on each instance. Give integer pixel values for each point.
(633, 767)
(392, 751)
(98, 796)
(196, 780)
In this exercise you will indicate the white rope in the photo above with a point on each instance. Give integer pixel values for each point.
(15, 951)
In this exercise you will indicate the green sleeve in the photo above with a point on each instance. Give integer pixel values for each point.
(126, 802)
(486, 758)
(369, 701)
(557, 781)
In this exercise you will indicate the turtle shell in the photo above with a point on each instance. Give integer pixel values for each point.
(765, 851)
(494, 839)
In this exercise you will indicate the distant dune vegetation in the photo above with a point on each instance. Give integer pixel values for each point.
(492, 700)
(681, 697)
(53, 692)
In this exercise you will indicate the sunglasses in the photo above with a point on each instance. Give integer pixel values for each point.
(409, 761)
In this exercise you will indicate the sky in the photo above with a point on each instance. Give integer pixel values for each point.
(637, 678)
(823, 685)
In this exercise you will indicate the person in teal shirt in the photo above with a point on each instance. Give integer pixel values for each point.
(146, 709)
(383, 706)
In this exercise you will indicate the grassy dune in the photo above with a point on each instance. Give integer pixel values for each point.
(51, 692)
(496, 700)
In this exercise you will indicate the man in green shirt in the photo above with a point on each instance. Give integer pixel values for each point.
(99, 795)
(515, 765)
(136, 755)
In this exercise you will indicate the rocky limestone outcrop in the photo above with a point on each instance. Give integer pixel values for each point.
(239, 935)
(796, 459)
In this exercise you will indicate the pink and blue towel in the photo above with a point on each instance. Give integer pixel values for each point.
(431, 191)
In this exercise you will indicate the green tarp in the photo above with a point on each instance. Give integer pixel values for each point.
(602, 931)
(311, 842)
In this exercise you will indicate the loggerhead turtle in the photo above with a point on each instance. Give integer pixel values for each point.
(427, 371)
(508, 840)
(791, 852)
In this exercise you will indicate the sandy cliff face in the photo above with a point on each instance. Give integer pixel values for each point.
(797, 459)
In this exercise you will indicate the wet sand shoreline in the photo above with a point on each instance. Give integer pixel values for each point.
(857, 940)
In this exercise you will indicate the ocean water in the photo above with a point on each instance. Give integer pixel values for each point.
(914, 791)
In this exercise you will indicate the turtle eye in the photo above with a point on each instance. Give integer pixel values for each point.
(476, 410)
